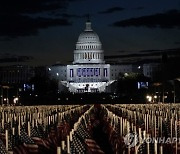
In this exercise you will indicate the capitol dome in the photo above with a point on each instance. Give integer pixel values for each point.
(88, 37)
(88, 47)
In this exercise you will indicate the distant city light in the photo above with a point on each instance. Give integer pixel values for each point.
(125, 74)
(49, 69)
(15, 100)
(149, 98)
(155, 96)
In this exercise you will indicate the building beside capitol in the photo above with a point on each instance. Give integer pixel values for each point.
(88, 72)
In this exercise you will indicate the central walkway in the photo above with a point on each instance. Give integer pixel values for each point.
(102, 139)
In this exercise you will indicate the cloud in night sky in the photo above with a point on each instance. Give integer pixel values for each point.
(174, 51)
(111, 10)
(31, 6)
(67, 15)
(145, 56)
(169, 19)
(21, 25)
(148, 53)
(134, 55)
(23, 18)
(9, 58)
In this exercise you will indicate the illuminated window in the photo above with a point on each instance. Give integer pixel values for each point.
(71, 73)
(105, 72)
(79, 72)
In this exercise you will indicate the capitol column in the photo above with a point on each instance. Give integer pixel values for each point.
(80, 55)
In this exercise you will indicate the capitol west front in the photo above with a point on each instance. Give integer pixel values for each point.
(88, 73)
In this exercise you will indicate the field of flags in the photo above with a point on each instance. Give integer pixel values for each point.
(71, 129)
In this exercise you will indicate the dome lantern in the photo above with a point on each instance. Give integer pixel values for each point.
(88, 47)
(88, 26)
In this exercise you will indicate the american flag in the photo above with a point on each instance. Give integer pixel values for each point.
(83, 142)
(34, 131)
(41, 130)
(2, 148)
(166, 128)
(93, 147)
(143, 148)
(23, 143)
(1, 129)
(77, 145)
(48, 143)
(78, 139)
(23, 137)
(83, 132)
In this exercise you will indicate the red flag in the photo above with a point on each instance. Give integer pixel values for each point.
(93, 147)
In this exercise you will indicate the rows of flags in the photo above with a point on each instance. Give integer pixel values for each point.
(156, 121)
(48, 129)
(36, 129)
(69, 129)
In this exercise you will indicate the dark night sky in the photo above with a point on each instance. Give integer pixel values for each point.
(41, 32)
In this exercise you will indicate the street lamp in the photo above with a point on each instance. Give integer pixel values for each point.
(177, 79)
(1, 95)
(15, 100)
(7, 95)
(149, 98)
(155, 96)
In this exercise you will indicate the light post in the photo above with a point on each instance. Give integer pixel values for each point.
(7, 95)
(155, 98)
(15, 100)
(149, 98)
(174, 88)
(174, 92)
(17, 95)
(2, 95)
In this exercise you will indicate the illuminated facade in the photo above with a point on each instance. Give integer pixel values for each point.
(88, 73)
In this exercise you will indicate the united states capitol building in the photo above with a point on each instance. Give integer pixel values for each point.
(88, 72)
